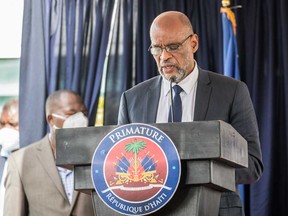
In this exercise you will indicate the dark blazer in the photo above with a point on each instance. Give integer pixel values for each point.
(34, 187)
(217, 98)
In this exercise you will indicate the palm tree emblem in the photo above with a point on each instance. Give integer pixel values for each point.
(135, 148)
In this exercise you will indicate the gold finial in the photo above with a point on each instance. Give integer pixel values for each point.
(225, 3)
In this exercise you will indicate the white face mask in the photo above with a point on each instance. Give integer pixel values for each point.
(9, 140)
(76, 120)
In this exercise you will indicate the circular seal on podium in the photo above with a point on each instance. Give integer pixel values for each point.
(136, 169)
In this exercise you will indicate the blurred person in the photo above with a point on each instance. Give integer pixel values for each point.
(35, 186)
(9, 140)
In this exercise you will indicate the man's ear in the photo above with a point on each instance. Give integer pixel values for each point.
(195, 43)
(49, 119)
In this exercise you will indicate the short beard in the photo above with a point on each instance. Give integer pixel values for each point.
(180, 75)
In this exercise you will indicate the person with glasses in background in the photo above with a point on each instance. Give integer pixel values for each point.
(9, 140)
(34, 184)
(200, 95)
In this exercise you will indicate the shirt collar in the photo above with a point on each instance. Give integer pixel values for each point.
(63, 170)
(186, 84)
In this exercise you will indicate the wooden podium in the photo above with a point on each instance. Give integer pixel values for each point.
(209, 152)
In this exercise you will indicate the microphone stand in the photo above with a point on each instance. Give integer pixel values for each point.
(172, 79)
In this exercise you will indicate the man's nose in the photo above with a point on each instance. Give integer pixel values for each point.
(165, 55)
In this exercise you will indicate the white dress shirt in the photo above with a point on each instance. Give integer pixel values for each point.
(188, 96)
(67, 178)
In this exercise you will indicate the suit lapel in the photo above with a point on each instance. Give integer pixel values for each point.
(152, 101)
(202, 96)
(46, 159)
(74, 200)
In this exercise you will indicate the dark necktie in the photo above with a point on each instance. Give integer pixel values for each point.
(177, 105)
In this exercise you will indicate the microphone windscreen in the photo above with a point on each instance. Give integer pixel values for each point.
(172, 79)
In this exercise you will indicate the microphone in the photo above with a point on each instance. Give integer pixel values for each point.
(171, 80)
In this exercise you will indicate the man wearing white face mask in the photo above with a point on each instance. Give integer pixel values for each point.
(34, 184)
(9, 140)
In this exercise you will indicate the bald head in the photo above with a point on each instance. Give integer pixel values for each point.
(9, 116)
(173, 45)
(173, 21)
(61, 99)
(11, 106)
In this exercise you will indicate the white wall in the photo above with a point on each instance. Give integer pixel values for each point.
(11, 13)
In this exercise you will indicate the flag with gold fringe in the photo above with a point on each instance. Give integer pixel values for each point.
(230, 51)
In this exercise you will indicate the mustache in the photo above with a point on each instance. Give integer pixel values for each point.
(180, 73)
(169, 65)
(166, 63)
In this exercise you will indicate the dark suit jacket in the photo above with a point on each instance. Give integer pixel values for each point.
(34, 187)
(217, 98)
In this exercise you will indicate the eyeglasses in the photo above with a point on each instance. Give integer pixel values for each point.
(171, 48)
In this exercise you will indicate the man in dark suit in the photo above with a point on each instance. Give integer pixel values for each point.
(34, 184)
(204, 95)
